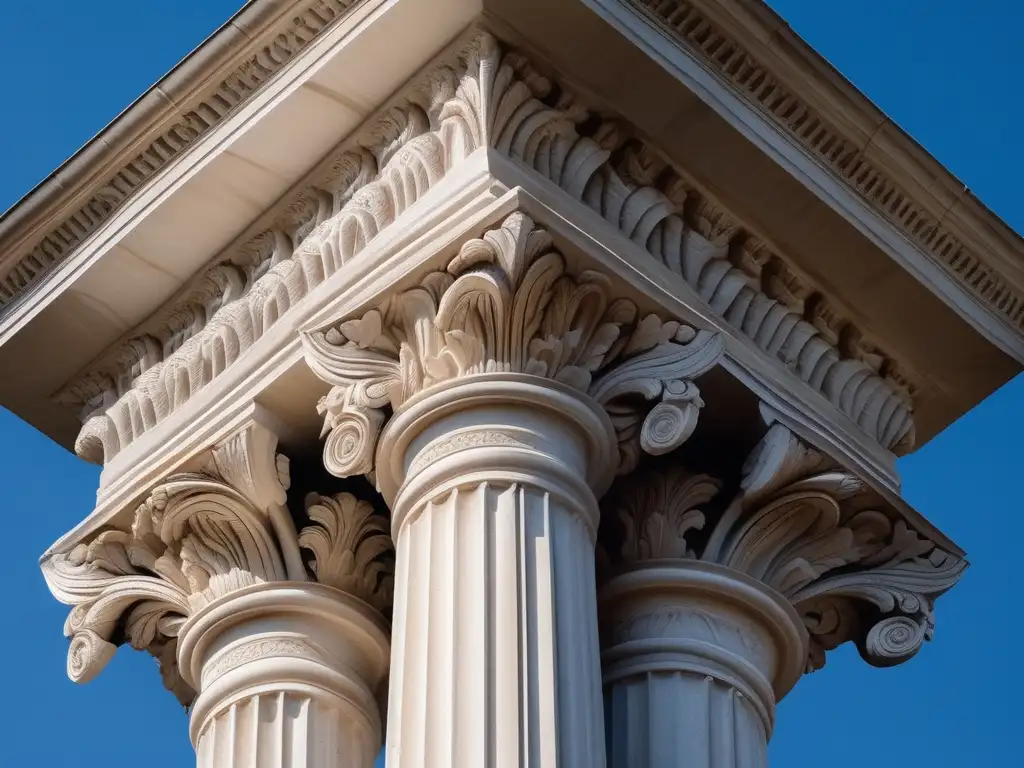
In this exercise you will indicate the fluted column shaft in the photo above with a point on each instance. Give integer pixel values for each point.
(495, 654)
(695, 657)
(286, 675)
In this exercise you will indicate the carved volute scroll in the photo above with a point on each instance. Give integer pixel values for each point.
(198, 537)
(850, 565)
(508, 303)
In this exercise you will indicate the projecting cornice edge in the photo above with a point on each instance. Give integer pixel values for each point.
(50, 223)
(931, 224)
(432, 128)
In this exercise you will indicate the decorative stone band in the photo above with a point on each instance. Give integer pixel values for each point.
(196, 539)
(507, 303)
(663, 614)
(687, 636)
(287, 639)
(280, 44)
(479, 97)
(852, 568)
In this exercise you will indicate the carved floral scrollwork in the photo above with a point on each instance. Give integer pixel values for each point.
(483, 96)
(352, 548)
(194, 539)
(507, 303)
(853, 569)
(201, 536)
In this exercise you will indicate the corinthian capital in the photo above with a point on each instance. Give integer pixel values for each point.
(509, 303)
(198, 537)
(855, 566)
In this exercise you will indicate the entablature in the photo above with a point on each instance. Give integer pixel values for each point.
(743, 269)
(274, 374)
(427, 134)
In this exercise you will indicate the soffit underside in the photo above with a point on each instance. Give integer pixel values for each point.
(207, 194)
(771, 213)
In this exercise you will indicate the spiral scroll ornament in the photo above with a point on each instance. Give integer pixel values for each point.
(893, 640)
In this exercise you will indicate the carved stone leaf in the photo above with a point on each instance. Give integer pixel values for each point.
(352, 549)
(764, 548)
(657, 511)
(103, 582)
(511, 307)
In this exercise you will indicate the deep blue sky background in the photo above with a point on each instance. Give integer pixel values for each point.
(947, 71)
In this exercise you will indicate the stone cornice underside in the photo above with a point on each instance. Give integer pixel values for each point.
(691, 27)
(479, 97)
(280, 44)
(682, 19)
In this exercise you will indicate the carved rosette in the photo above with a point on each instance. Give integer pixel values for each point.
(853, 568)
(508, 303)
(198, 537)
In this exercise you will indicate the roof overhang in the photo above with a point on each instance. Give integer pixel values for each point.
(213, 192)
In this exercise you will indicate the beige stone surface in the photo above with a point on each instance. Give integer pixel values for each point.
(590, 359)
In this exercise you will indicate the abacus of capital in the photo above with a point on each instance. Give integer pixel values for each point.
(483, 419)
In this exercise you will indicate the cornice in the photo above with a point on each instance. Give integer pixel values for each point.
(751, 49)
(738, 41)
(53, 220)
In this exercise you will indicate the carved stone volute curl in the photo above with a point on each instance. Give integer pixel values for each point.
(851, 565)
(508, 303)
(199, 537)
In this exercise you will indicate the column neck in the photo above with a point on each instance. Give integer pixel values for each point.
(304, 641)
(695, 656)
(687, 616)
(497, 427)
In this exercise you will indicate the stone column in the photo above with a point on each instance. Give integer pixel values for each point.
(517, 390)
(285, 675)
(695, 658)
(280, 670)
(711, 609)
(494, 518)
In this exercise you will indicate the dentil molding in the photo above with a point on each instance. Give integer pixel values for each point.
(689, 23)
(280, 43)
(477, 96)
(204, 535)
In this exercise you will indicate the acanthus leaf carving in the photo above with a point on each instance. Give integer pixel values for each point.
(200, 536)
(121, 589)
(351, 547)
(508, 303)
(480, 96)
(851, 566)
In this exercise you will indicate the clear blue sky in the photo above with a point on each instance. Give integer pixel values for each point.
(948, 72)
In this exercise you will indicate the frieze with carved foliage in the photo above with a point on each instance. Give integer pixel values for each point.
(482, 96)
